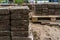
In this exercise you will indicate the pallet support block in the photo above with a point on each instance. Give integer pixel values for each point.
(34, 19)
(53, 19)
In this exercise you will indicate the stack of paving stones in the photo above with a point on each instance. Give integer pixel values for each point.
(4, 24)
(19, 22)
(47, 9)
(29, 5)
(14, 22)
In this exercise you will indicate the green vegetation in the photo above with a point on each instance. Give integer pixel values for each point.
(19, 1)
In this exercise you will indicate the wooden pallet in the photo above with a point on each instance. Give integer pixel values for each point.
(45, 18)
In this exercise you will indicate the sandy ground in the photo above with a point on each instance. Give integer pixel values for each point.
(45, 32)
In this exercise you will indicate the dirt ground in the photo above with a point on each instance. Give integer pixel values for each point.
(45, 32)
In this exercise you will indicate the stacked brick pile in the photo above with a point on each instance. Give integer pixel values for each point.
(47, 9)
(4, 24)
(19, 22)
(14, 23)
(29, 5)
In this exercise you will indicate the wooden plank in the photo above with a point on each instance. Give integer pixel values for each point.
(39, 18)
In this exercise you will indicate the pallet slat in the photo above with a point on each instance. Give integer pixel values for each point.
(41, 18)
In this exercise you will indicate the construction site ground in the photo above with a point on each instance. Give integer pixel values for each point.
(44, 32)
